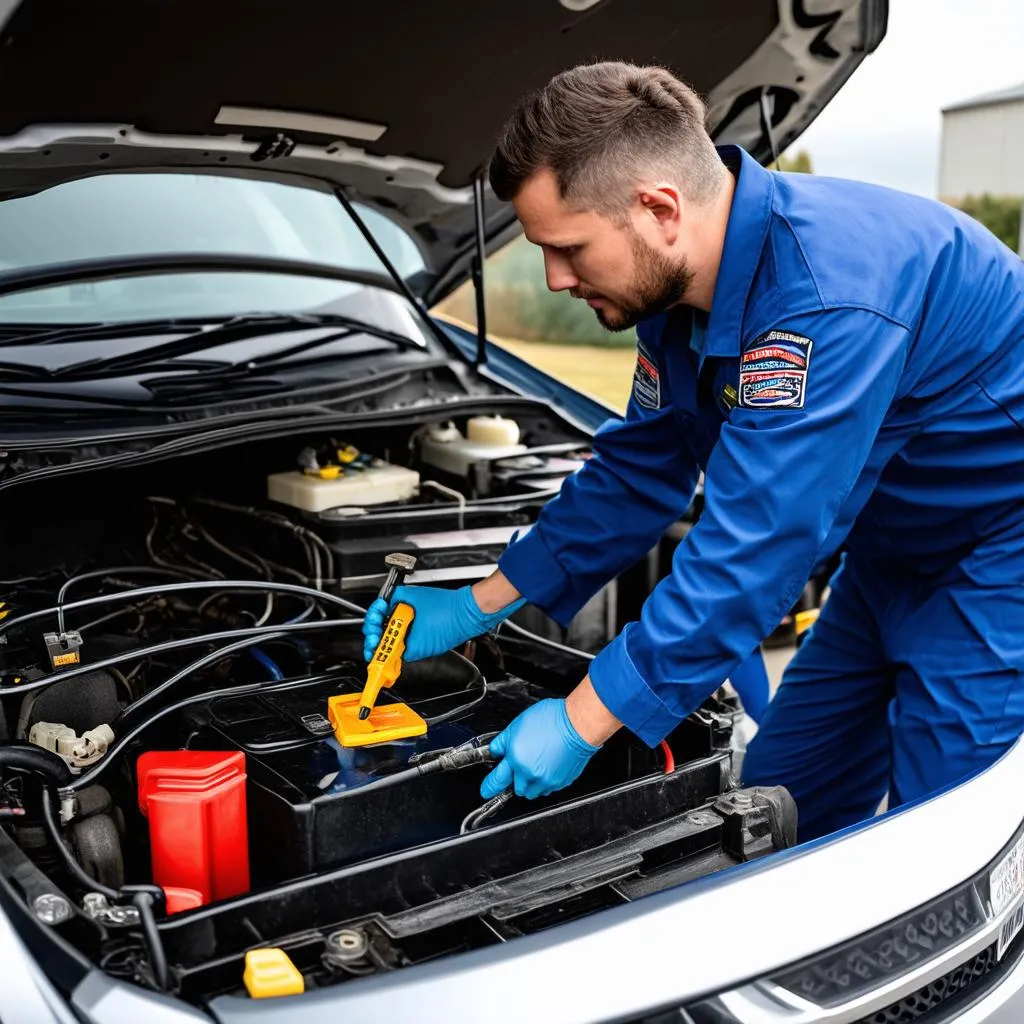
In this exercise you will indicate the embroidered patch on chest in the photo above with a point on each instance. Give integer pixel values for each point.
(773, 371)
(646, 380)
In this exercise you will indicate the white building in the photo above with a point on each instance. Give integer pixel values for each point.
(983, 146)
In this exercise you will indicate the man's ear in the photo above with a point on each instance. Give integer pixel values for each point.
(664, 205)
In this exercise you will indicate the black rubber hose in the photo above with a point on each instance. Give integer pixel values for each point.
(73, 867)
(27, 757)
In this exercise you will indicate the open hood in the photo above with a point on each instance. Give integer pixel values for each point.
(397, 102)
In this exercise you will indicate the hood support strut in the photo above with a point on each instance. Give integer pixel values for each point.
(392, 270)
(478, 271)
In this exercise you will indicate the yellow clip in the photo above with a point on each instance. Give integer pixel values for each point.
(329, 472)
(270, 972)
(347, 454)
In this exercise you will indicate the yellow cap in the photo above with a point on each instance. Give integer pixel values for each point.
(270, 972)
(329, 472)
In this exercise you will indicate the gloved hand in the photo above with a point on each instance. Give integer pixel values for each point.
(541, 752)
(444, 619)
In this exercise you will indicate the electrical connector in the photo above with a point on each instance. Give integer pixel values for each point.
(63, 648)
(78, 751)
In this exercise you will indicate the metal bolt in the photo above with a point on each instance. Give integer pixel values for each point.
(742, 800)
(700, 818)
(96, 906)
(51, 908)
(346, 946)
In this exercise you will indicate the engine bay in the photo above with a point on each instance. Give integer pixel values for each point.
(174, 799)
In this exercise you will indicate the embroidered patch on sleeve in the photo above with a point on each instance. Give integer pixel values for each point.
(646, 380)
(773, 371)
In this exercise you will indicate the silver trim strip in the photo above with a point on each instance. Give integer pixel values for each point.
(749, 1006)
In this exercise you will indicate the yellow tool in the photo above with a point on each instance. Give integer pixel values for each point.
(386, 664)
(270, 972)
(357, 722)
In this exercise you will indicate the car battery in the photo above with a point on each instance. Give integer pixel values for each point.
(443, 544)
(321, 805)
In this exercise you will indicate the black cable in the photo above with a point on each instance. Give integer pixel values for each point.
(85, 880)
(122, 570)
(476, 817)
(206, 659)
(109, 616)
(259, 585)
(171, 645)
(87, 778)
(544, 640)
(462, 757)
(446, 716)
(143, 902)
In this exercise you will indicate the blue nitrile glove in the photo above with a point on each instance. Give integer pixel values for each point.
(541, 752)
(443, 620)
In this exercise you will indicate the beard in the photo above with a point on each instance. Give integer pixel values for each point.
(657, 284)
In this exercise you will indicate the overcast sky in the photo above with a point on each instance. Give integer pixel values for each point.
(884, 125)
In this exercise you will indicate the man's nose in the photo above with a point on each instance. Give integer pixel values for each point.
(559, 273)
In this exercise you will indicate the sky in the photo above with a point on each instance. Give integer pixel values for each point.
(884, 125)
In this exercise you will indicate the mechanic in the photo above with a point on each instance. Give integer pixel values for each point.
(846, 365)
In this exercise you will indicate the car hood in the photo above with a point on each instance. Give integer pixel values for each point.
(397, 102)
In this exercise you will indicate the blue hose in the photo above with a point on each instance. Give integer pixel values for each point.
(269, 664)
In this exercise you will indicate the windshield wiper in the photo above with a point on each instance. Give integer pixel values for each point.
(18, 335)
(51, 274)
(240, 328)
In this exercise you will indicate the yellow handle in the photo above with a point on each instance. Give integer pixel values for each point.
(386, 664)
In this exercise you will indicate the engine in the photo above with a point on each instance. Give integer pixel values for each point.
(170, 641)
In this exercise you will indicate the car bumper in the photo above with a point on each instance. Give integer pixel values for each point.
(668, 950)
(708, 939)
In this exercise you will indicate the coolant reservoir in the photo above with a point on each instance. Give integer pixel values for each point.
(492, 430)
(488, 437)
(376, 485)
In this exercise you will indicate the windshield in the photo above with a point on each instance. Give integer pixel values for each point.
(143, 214)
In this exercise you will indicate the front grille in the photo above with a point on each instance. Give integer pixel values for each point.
(915, 1005)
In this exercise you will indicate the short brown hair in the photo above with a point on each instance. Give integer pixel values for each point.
(601, 128)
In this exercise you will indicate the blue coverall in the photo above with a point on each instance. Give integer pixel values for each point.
(860, 379)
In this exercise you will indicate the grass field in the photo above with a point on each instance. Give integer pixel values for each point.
(605, 373)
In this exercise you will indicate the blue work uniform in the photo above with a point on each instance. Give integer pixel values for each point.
(859, 383)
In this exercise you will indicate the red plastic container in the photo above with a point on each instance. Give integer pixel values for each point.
(181, 899)
(195, 802)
